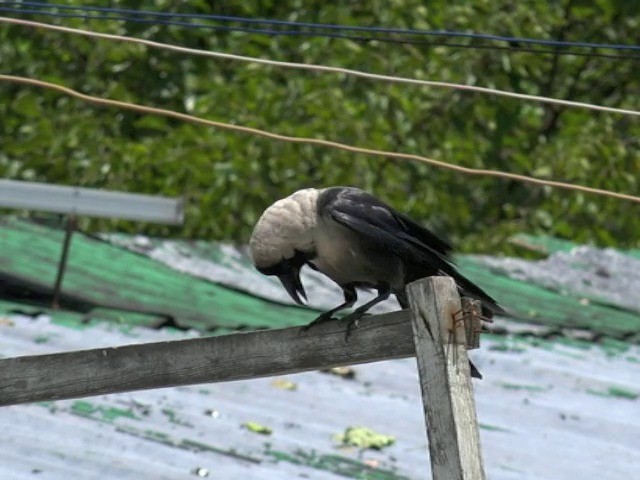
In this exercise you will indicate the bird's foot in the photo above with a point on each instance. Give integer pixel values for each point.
(323, 317)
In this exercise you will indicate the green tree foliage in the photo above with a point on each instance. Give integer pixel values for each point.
(229, 178)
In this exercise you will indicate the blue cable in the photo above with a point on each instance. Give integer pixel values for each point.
(316, 26)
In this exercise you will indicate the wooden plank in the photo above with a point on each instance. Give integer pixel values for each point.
(447, 393)
(202, 360)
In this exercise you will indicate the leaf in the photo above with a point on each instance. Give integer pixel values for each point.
(363, 437)
(284, 384)
(48, 136)
(348, 373)
(152, 122)
(257, 428)
(26, 104)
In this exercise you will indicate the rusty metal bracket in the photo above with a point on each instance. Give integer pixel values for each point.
(472, 318)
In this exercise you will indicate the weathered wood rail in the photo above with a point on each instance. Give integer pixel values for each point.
(238, 356)
(429, 330)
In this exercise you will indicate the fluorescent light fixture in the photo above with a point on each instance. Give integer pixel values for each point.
(90, 202)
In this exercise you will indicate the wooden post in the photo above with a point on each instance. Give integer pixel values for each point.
(447, 393)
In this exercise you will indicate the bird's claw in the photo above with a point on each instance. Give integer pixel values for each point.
(352, 322)
(351, 319)
(351, 325)
(321, 319)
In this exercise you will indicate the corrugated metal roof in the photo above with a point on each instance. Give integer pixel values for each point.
(529, 302)
(605, 277)
(99, 274)
(566, 291)
(547, 245)
(548, 409)
(551, 410)
(230, 265)
(609, 308)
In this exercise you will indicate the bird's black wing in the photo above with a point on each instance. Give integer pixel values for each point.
(379, 224)
(365, 214)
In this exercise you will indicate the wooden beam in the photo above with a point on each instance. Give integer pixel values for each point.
(447, 393)
(238, 356)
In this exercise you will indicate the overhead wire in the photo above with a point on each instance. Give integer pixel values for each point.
(320, 26)
(356, 38)
(311, 141)
(324, 68)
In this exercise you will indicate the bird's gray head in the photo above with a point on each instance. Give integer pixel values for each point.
(282, 240)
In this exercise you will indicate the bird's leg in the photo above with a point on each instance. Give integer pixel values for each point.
(384, 291)
(350, 297)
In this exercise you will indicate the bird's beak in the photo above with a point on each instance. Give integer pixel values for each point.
(293, 285)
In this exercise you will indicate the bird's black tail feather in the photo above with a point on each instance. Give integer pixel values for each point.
(467, 288)
(475, 373)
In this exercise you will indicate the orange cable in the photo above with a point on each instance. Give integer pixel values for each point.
(311, 141)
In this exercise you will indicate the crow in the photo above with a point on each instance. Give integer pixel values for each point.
(356, 240)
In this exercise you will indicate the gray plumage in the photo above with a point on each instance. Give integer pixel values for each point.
(357, 241)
